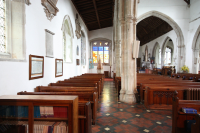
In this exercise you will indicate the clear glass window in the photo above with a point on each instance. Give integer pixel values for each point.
(2, 26)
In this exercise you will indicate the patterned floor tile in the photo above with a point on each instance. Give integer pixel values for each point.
(118, 117)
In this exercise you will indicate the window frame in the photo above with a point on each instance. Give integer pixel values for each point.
(166, 52)
(10, 26)
(102, 45)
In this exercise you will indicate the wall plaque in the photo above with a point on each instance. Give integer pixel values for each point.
(50, 8)
(49, 43)
(78, 27)
(36, 67)
(58, 67)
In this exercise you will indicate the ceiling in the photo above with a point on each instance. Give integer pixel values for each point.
(96, 14)
(151, 28)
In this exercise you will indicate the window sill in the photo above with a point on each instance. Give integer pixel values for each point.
(7, 57)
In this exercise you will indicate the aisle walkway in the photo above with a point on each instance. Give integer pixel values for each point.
(118, 117)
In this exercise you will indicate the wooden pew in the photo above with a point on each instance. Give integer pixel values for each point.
(89, 79)
(84, 109)
(195, 128)
(84, 97)
(84, 81)
(80, 91)
(165, 83)
(66, 84)
(94, 75)
(114, 75)
(179, 117)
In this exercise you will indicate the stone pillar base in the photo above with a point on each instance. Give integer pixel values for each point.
(130, 98)
(121, 96)
(100, 71)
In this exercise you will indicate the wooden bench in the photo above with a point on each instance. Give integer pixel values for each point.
(89, 75)
(195, 128)
(164, 83)
(88, 79)
(179, 117)
(84, 81)
(80, 91)
(84, 109)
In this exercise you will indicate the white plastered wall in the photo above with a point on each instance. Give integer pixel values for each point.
(177, 10)
(194, 24)
(161, 40)
(15, 75)
(105, 33)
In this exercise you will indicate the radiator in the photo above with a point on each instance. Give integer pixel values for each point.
(193, 94)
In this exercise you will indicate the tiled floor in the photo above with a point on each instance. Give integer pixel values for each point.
(118, 117)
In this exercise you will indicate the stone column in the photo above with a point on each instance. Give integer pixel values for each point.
(181, 57)
(117, 43)
(130, 17)
(121, 17)
(195, 66)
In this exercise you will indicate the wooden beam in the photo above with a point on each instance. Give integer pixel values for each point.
(187, 1)
(97, 21)
(79, 13)
(95, 7)
(159, 31)
(100, 8)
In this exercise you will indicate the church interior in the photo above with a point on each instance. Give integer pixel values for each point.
(100, 66)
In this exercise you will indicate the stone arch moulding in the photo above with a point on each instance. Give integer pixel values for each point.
(103, 39)
(83, 48)
(195, 49)
(70, 25)
(146, 53)
(154, 49)
(163, 50)
(176, 28)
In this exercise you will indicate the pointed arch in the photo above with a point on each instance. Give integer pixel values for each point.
(68, 36)
(176, 28)
(154, 49)
(69, 25)
(196, 52)
(163, 51)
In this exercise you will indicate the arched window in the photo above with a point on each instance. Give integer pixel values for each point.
(2, 26)
(100, 49)
(168, 53)
(159, 56)
(67, 40)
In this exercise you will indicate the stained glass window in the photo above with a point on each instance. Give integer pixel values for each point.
(95, 49)
(106, 54)
(102, 51)
(2, 26)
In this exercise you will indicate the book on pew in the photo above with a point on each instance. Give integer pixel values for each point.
(38, 127)
(39, 111)
(189, 110)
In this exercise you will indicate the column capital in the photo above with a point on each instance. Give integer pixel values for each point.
(117, 42)
(122, 21)
(181, 46)
(130, 19)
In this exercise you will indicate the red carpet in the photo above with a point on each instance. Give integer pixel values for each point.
(108, 79)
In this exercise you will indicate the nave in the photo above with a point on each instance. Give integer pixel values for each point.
(119, 117)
